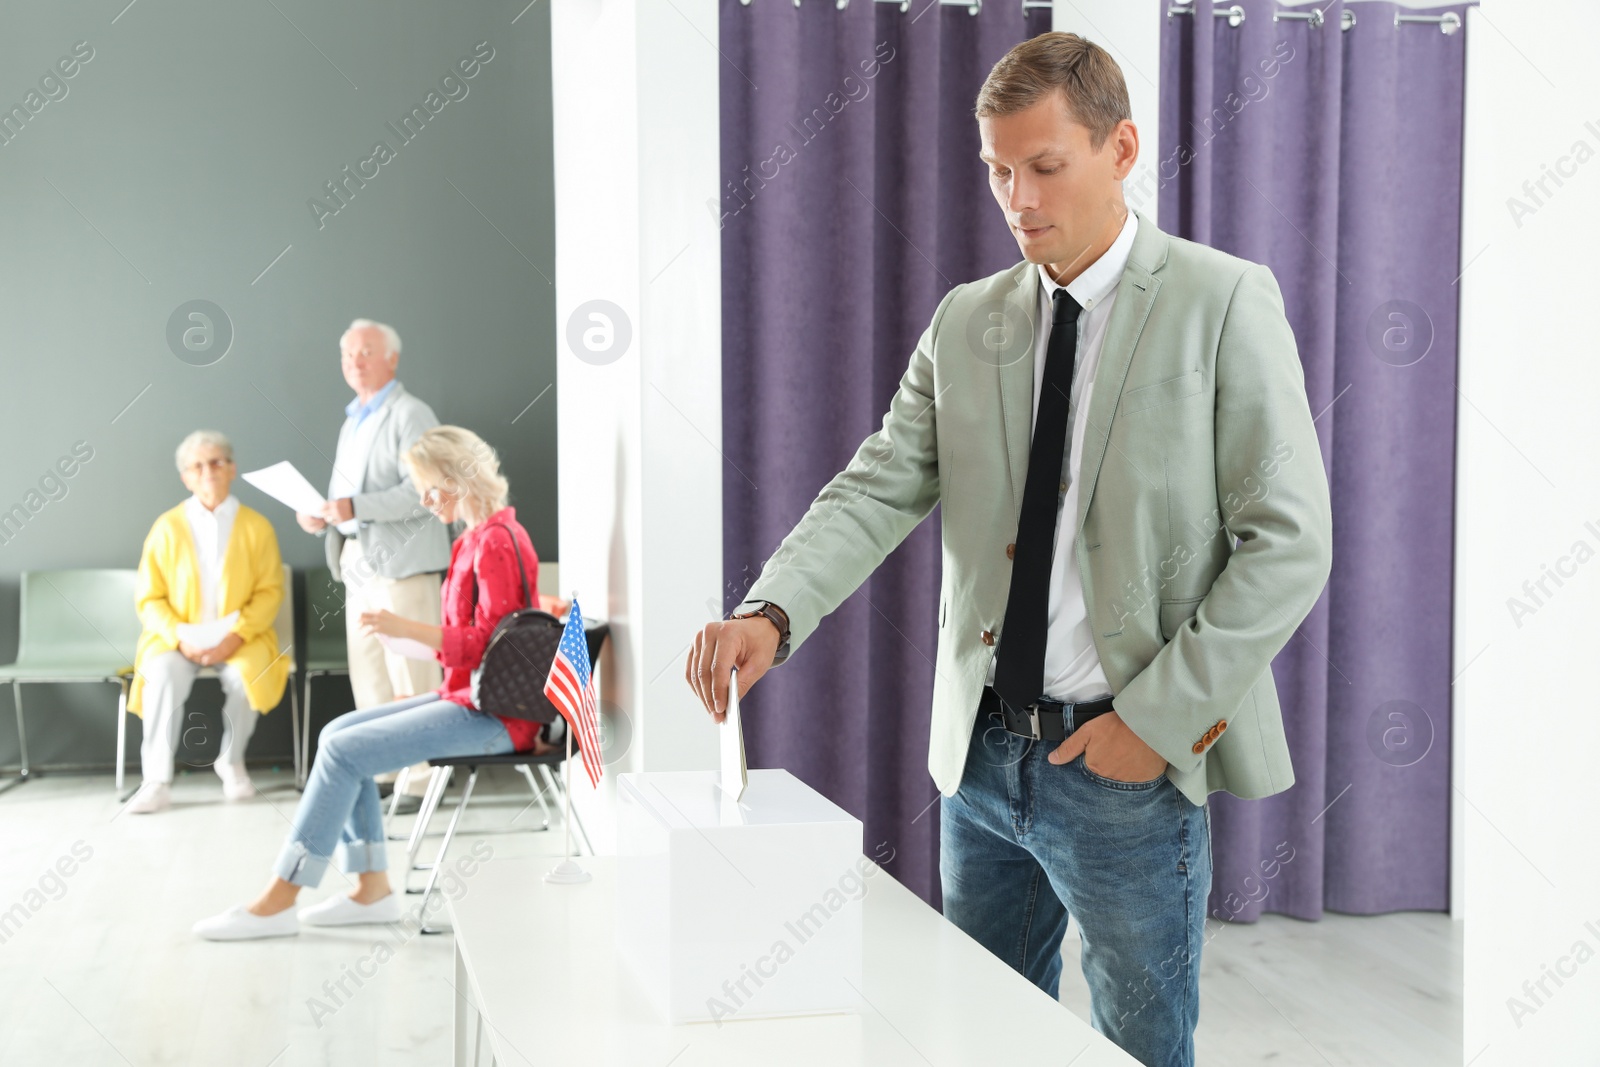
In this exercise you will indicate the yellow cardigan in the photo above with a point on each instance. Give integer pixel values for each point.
(252, 584)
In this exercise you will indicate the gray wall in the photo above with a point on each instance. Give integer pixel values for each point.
(178, 165)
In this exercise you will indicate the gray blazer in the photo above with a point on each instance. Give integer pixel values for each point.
(398, 535)
(1199, 432)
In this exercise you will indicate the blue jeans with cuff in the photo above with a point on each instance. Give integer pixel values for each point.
(341, 805)
(1025, 843)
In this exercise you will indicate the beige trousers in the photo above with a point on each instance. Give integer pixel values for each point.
(378, 676)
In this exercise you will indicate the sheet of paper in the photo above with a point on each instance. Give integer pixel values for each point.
(734, 772)
(283, 483)
(405, 646)
(207, 634)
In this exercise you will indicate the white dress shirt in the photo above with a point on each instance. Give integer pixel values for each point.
(211, 530)
(1072, 669)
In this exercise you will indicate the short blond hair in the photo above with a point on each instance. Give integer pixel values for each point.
(460, 462)
(1096, 94)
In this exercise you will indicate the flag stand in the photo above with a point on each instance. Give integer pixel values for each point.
(567, 872)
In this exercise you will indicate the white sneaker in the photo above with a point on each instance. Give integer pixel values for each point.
(237, 924)
(340, 910)
(151, 797)
(236, 783)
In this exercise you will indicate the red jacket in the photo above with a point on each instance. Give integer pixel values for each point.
(482, 558)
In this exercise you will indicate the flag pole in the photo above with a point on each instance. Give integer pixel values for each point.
(567, 872)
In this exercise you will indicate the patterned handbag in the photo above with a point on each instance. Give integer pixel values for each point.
(509, 679)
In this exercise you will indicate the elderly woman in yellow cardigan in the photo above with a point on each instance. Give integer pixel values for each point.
(210, 582)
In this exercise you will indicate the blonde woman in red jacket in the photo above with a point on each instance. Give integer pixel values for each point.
(458, 477)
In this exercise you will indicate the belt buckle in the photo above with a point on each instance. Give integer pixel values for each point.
(1033, 721)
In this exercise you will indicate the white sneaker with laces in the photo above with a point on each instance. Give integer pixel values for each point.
(238, 924)
(236, 783)
(340, 910)
(151, 797)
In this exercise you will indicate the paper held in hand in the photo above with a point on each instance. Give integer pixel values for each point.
(407, 647)
(283, 483)
(207, 634)
(734, 773)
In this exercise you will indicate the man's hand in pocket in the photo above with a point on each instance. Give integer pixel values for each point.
(1111, 750)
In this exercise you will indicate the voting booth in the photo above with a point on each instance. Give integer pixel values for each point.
(738, 909)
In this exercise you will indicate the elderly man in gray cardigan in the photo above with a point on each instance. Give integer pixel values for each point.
(381, 543)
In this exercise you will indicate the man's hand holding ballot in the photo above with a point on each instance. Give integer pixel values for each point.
(749, 643)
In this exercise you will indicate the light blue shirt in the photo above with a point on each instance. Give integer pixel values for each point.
(359, 411)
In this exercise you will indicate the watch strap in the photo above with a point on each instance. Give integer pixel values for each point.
(773, 614)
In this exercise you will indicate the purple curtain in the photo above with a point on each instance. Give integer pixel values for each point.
(853, 200)
(1333, 156)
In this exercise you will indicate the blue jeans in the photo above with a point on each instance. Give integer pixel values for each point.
(341, 805)
(1025, 843)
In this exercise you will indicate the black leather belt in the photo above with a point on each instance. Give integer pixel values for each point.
(1044, 720)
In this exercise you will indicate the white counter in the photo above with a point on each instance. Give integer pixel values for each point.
(538, 981)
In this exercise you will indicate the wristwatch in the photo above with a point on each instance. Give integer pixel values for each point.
(773, 614)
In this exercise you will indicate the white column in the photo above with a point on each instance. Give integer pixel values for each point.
(1132, 34)
(639, 376)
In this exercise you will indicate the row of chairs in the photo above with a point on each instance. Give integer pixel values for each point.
(78, 626)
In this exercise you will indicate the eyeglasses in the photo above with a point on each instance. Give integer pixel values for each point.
(434, 496)
(216, 463)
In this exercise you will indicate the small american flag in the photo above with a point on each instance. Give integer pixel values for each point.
(570, 688)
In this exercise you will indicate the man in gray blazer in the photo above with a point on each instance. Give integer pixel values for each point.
(387, 549)
(1136, 519)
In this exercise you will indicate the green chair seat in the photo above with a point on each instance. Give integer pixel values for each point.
(65, 670)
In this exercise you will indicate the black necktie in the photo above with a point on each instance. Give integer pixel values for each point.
(1019, 674)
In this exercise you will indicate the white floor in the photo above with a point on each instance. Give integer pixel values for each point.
(1346, 991)
(103, 969)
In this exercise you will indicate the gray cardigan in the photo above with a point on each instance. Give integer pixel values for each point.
(398, 535)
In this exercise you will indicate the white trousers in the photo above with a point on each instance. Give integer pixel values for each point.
(168, 679)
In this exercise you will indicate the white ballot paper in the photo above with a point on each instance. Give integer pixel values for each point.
(405, 646)
(207, 634)
(283, 483)
(734, 772)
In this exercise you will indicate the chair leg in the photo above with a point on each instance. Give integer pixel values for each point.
(294, 731)
(122, 731)
(538, 791)
(22, 738)
(560, 791)
(433, 795)
(552, 780)
(305, 738)
(430, 801)
(444, 847)
(401, 780)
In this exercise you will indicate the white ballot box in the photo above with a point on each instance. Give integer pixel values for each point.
(738, 910)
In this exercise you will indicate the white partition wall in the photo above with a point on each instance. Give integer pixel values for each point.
(638, 324)
(1132, 34)
(1527, 536)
